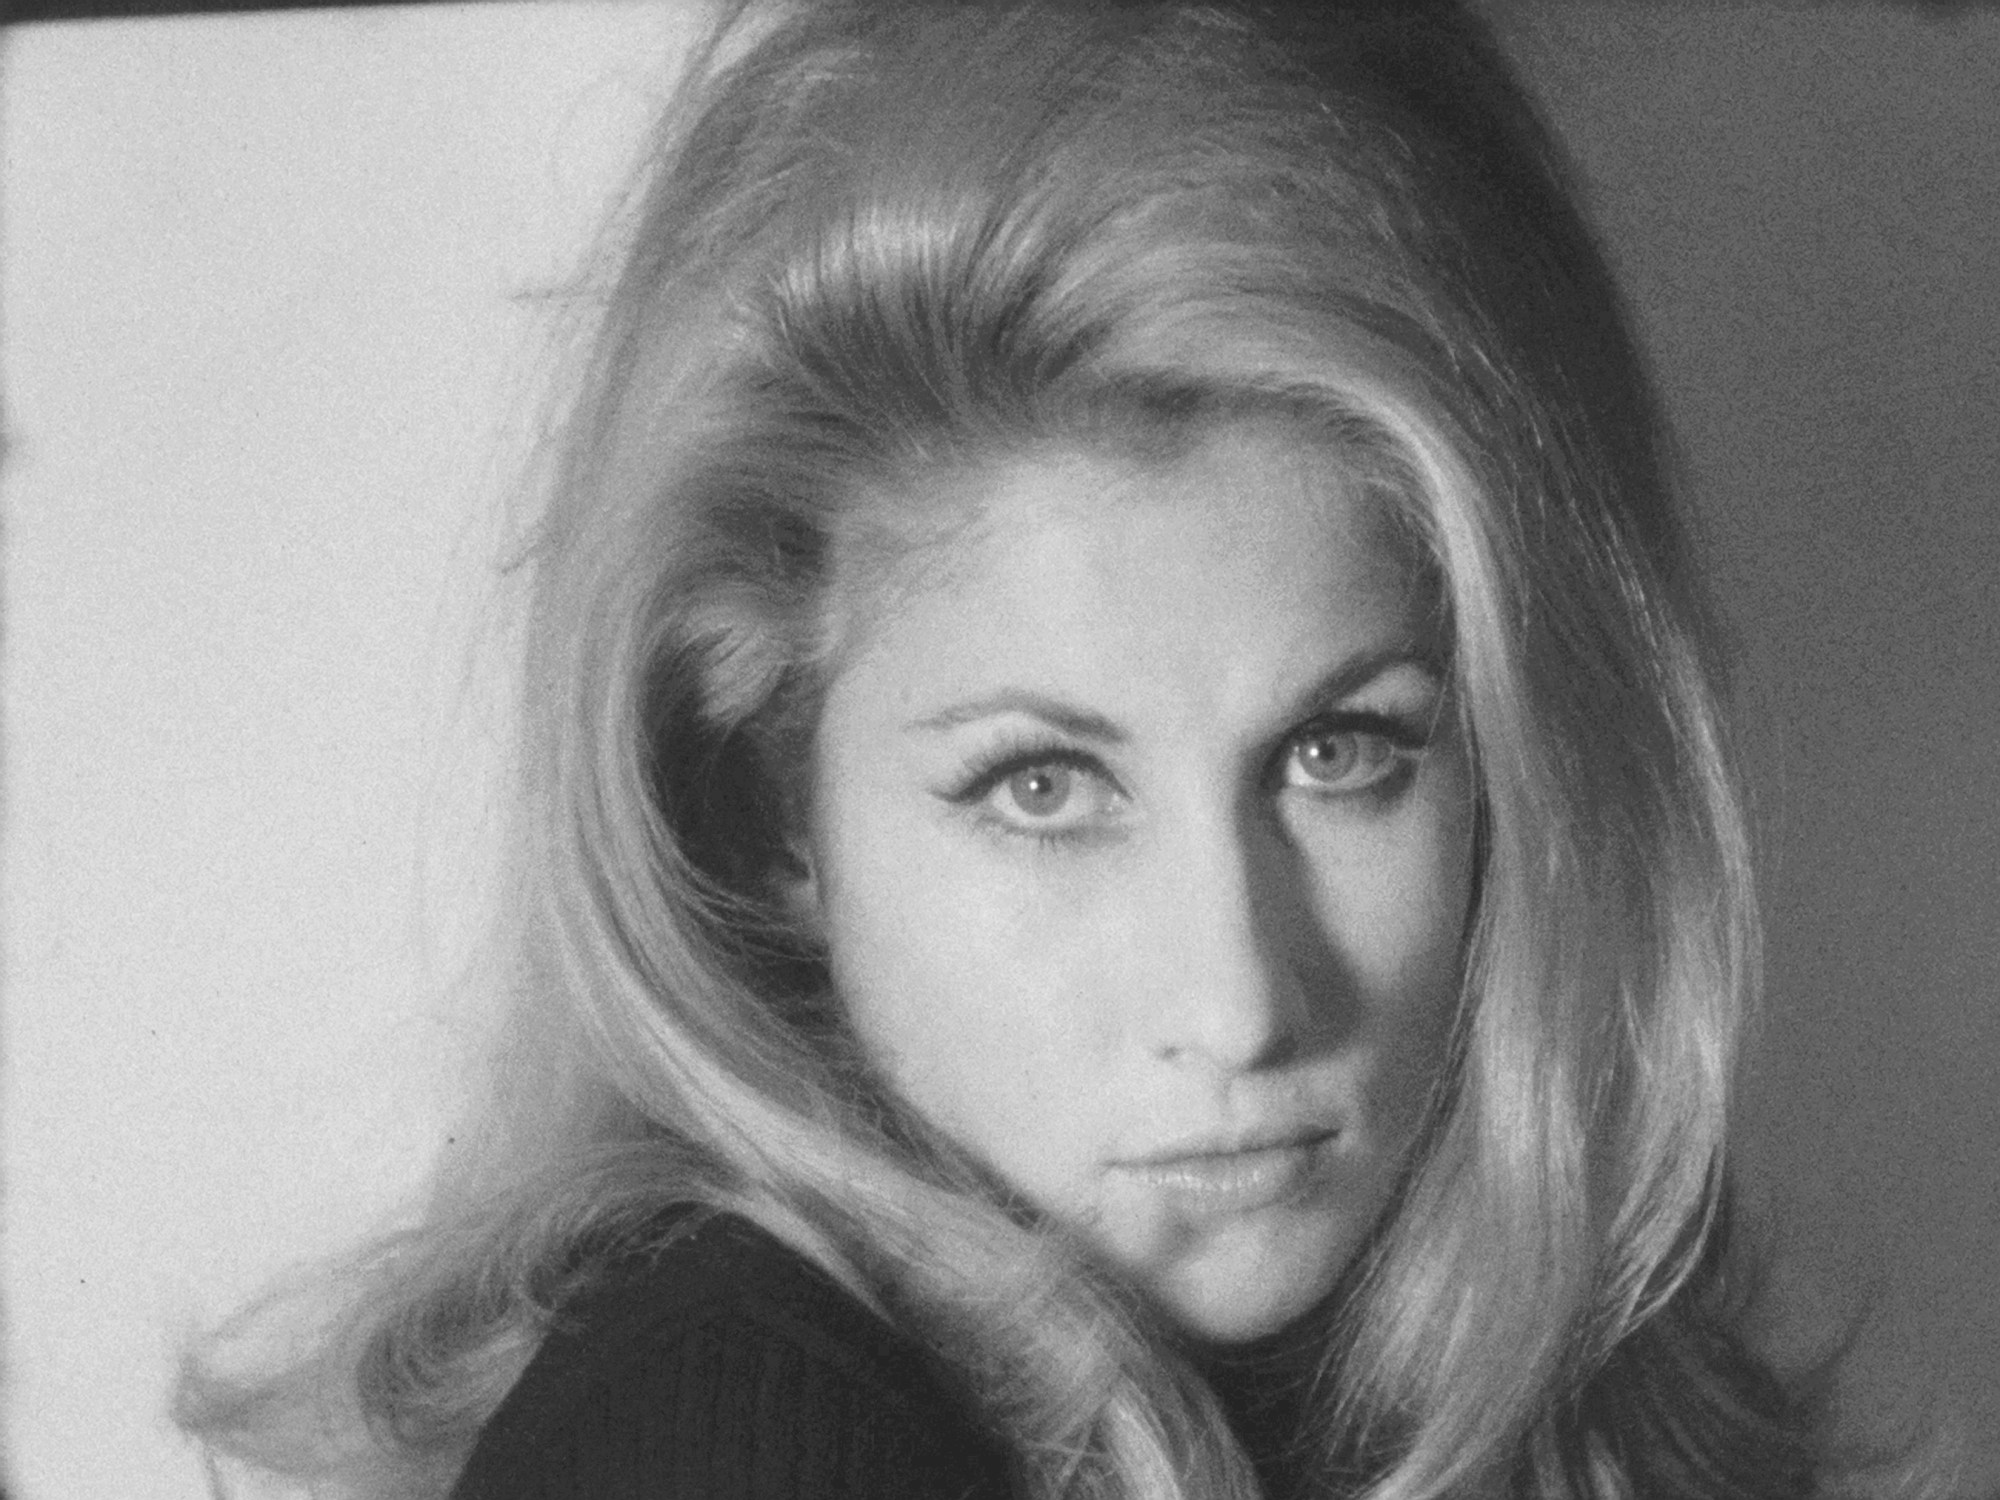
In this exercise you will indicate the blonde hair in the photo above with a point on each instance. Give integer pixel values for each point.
(879, 240)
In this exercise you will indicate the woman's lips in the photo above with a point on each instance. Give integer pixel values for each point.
(1233, 1181)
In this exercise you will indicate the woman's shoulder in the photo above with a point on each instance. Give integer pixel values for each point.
(725, 1365)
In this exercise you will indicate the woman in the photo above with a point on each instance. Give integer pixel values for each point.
(1128, 882)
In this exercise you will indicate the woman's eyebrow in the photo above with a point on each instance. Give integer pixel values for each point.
(1081, 722)
(1359, 671)
(1344, 677)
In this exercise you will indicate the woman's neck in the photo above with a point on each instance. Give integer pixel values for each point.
(1267, 1389)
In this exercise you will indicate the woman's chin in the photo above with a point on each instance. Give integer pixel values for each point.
(1241, 1288)
(1227, 1323)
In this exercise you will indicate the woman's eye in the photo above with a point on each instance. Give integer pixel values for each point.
(1342, 760)
(1041, 792)
(1044, 797)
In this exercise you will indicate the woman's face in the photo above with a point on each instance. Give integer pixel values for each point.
(1142, 848)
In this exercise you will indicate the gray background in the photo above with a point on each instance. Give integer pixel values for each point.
(1805, 204)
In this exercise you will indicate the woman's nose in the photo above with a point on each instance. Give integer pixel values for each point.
(1238, 956)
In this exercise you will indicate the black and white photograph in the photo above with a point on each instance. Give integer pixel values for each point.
(1000, 750)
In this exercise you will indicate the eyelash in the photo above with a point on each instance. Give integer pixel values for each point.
(1009, 758)
(1406, 739)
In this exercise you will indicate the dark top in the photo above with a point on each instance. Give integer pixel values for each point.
(725, 1367)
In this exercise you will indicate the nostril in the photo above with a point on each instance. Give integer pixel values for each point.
(1238, 1027)
(1227, 948)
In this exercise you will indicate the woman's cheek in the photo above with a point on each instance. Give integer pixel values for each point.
(984, 1012)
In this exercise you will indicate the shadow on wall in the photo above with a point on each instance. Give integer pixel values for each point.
(1801, 201)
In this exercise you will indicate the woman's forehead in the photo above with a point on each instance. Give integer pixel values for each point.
(1239, 477)
(1247, 546)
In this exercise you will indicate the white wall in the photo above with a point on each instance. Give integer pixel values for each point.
(267, 324)
(265, 355)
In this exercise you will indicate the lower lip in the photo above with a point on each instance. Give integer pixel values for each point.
(1234, 1182)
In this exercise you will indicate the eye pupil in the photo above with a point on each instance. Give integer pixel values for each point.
(1328, 757)
(1040, 790)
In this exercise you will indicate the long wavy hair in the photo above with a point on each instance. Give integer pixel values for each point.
(876, 241)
